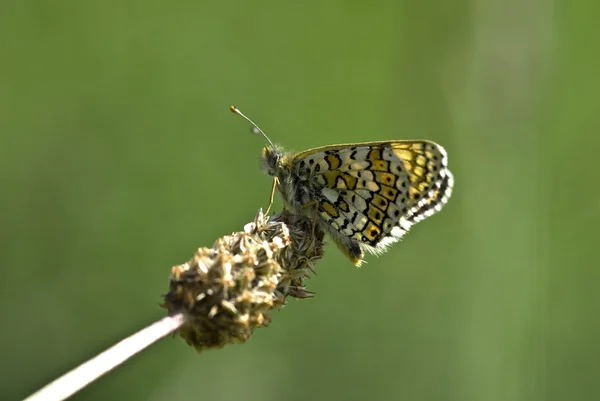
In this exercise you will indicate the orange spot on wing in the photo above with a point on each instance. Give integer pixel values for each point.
(375, 214)
(380, 202)
(350, 181)
(380, 165)
(372, 232)
(331, 178)
(330, 209)
(385, 178)
(374, 154)
(333, 161)
(389, 193)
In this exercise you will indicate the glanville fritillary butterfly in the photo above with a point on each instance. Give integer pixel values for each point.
(366, 196)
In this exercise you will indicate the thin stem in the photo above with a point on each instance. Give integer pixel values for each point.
(84, 374)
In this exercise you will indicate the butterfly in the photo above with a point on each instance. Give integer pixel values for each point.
(366, 196)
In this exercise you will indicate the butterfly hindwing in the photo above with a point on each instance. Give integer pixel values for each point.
(373, 192)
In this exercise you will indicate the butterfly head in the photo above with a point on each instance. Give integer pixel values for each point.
(273, 161)
(270, 160)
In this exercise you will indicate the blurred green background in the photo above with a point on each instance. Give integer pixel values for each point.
(119, 157)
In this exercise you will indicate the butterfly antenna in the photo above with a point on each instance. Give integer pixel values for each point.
(255, 128)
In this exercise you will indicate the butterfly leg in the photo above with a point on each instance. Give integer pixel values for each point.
(314, 205)
(272, 197)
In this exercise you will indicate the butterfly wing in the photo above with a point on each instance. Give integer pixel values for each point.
(372, 193)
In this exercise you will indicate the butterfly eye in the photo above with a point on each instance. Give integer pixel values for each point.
(271, 160)
(274, 158)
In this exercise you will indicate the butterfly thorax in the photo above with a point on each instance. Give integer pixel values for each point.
(294, 185)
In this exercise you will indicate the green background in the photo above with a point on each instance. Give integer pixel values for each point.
(119, 157)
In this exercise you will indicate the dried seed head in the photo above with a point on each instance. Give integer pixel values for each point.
(298, 260)
(227, 291)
